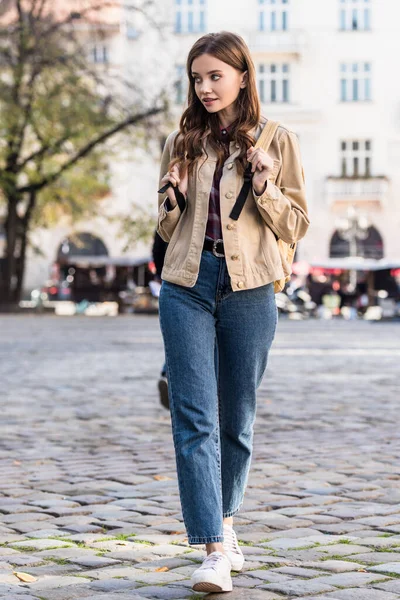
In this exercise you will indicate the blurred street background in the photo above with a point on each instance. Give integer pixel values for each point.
(90, 89)
(89, 505)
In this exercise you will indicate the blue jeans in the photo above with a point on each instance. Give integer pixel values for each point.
(216, 343)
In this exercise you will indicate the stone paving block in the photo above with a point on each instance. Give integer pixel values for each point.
(267, 575)
(380, 521)
(244, 594)
(297, 532)
(94, 562)
(43, 544)
(70, 592)
(159, 538)
(47, 533)
(55, 581)
(5, 539)
(353, 579)
(112, 585)
(362, 594)
(170, 563)
(117, 596)
(372, 558)
(148, 551)
(379, 542)
(7, 591)
(84, 528)
(340, 549)
(24, 516)
(340, 528)
(50, 568)
(245, 581)
(85, 538)
(25, 527)
(14, 596)
(24, 560)
(334, 566)
(314, 554)
(323, 469)
(393, 585)
(297, 587)
(6, 551)
(90, 499)
(155, 592)
(298, 572)
(393, 567)
(7, 577)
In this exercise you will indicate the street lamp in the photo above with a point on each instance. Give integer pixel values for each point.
(351, 228)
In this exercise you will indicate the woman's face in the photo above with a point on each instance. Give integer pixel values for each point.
(216, 83)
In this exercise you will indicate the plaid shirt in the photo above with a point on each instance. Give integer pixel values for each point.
(214, 229)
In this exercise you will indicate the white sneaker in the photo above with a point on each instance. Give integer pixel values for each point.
(214, 575)
(232, 549)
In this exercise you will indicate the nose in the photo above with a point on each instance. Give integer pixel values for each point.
(205, 88)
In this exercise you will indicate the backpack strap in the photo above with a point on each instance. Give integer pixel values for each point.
(264, 142)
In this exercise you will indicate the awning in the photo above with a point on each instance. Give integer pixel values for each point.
(355, 263)
(102, 261)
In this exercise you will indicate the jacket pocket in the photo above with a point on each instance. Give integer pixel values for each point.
(269, 246)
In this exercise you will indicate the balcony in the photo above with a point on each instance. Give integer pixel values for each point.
(369, 193)
(277, 42)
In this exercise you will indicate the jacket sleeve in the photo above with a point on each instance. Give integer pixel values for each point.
(283, 205)
(167, 218)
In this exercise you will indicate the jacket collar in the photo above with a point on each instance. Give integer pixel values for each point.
(233, 146)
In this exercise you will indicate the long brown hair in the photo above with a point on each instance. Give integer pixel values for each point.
(197, 124)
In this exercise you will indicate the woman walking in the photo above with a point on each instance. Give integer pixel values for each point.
(217, 305)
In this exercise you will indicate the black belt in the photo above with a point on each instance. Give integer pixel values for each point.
(214, 246)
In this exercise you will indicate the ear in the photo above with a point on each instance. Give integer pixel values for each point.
(243, 83)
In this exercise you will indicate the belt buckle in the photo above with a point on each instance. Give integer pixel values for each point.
(214, 249)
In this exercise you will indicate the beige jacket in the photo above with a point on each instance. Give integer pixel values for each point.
(251, 248)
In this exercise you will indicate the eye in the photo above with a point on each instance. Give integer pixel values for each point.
(217, 76)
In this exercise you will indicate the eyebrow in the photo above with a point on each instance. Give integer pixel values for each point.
(209, 72)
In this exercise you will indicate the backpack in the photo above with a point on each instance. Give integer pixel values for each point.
(286, 251)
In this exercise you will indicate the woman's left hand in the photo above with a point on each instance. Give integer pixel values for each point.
(262, 166)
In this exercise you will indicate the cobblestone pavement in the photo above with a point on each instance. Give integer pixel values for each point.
(89, 503)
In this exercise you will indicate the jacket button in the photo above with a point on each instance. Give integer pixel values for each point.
(235, 257)
(230, 226)
(229, 195)
(230, 166)
(240, 284)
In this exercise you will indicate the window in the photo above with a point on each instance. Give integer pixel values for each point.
(131, 32)
(273, 82)
(354, 15)
(355, 82)
(181, 84)
(100, 53)
(190, 16)
(273, 15)
(356, 158)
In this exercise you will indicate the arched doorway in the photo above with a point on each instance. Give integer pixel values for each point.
(81, 244)
(371, 247)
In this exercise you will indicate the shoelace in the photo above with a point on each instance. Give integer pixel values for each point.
(211, 560)
(230, 539)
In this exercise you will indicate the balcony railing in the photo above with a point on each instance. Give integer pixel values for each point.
(371, 190)
(291, 42)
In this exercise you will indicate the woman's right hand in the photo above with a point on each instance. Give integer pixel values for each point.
(173, 176)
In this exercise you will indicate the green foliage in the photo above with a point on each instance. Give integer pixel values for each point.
(58, 114)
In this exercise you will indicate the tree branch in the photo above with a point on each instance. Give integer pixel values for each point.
(131, 120)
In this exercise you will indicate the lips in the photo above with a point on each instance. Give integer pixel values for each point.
(209, 100)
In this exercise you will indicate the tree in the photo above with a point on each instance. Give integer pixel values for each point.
(58, 113)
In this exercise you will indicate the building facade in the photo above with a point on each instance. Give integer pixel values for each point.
(325, 69)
